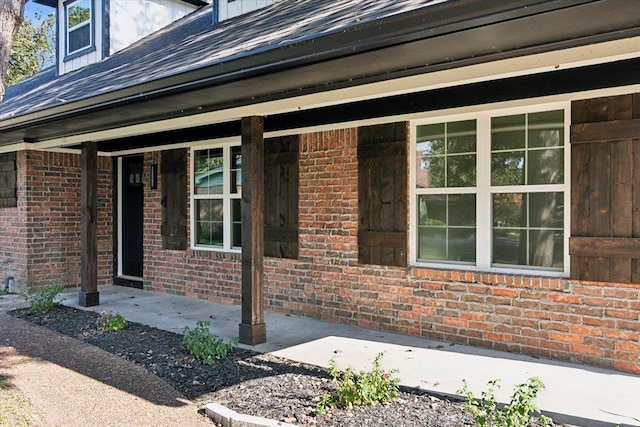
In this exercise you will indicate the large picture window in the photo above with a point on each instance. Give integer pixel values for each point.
(490, 192)
(78, 25)
(216, 197)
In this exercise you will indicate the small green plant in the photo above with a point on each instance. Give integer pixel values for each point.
(205, 346)
(111, 321)
(517, 413)
(358, 389)
(43, 300)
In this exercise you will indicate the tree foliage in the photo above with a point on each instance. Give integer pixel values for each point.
(32, 49)
(11, 15)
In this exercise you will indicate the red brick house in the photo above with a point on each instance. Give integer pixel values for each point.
(459, 170)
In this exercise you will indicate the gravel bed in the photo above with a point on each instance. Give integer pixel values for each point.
(246, 381)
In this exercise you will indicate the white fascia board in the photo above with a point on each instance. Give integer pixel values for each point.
(527, 65)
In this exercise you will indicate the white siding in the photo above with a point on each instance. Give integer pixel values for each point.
(230, 8)
(132, 20)
(89, 58)
(129, 21)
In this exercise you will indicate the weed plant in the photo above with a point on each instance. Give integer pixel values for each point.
(111, 321)
(43, 300)
(517, 413)
(205, 346)
(366, 388)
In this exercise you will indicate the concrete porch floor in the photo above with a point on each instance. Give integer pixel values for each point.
(575, 394)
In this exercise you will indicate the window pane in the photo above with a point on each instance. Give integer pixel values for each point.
(236, 170)
(433, 175)
(507, 133)
(209, 222)
(461, 137)
(236, 226)
(528, 229)
(447, 155)
(433, 209)
(461, 171)
(78, 13)
(509, 246)
(432, 243)
(208, 171)
(546, 248)
(431, 139)
(546, 210)
(446, 228)
(462, 244)
(546, 166)
(507, 168)
(546, 129)
(462, 209)
(79, 38)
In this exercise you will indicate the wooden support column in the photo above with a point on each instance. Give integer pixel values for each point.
(253, 330)
(89, 295)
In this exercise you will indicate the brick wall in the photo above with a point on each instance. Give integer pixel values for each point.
(13, 235)
(594, 323)
(215, 276)
(49, 218)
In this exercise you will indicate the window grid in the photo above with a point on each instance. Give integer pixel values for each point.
(485, 190)
(230, 195)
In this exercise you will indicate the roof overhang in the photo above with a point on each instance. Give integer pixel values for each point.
(450, 36)
(54, 3)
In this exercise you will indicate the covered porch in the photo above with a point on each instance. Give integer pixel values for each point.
(575, 394)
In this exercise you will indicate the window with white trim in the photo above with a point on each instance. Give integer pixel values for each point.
(78, 26)
(216, 198)
(490, 191)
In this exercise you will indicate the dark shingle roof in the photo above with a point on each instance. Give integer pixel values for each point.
(193, 42)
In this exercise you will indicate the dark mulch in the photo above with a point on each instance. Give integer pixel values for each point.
(246, 381)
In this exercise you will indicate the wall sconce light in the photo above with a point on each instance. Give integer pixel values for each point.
(153, 176)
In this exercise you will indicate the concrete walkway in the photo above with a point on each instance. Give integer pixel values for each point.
(575, 394)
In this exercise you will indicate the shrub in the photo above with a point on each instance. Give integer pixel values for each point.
(111, 321)
(43, 300)
(205, 346)
(517, 413)
(358, 389)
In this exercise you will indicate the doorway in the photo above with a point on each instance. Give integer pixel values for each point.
(131, 221)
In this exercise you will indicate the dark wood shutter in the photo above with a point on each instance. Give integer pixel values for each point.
(174, 199)
(8, 194)
(382, 194)
(605, 189)
(281, 197)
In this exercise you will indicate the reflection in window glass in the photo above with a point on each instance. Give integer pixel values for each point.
(208, 171)
(447, 227)
(209, 222)
(79, 32)
(528, 229)
(508, 169)
(528, 149)
(217, 186)
(447, 155)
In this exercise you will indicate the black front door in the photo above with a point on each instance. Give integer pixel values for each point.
(132, 216)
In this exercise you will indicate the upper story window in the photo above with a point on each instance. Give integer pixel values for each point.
(490, 191)
(78, 26)
(216, 198)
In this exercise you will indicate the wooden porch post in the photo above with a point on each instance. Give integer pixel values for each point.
(253, 330)
(89, 295)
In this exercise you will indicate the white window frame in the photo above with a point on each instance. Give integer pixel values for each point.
(227, 197)
(484, 191)
(68, 30)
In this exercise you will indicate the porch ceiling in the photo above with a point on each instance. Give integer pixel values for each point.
(407, 45)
